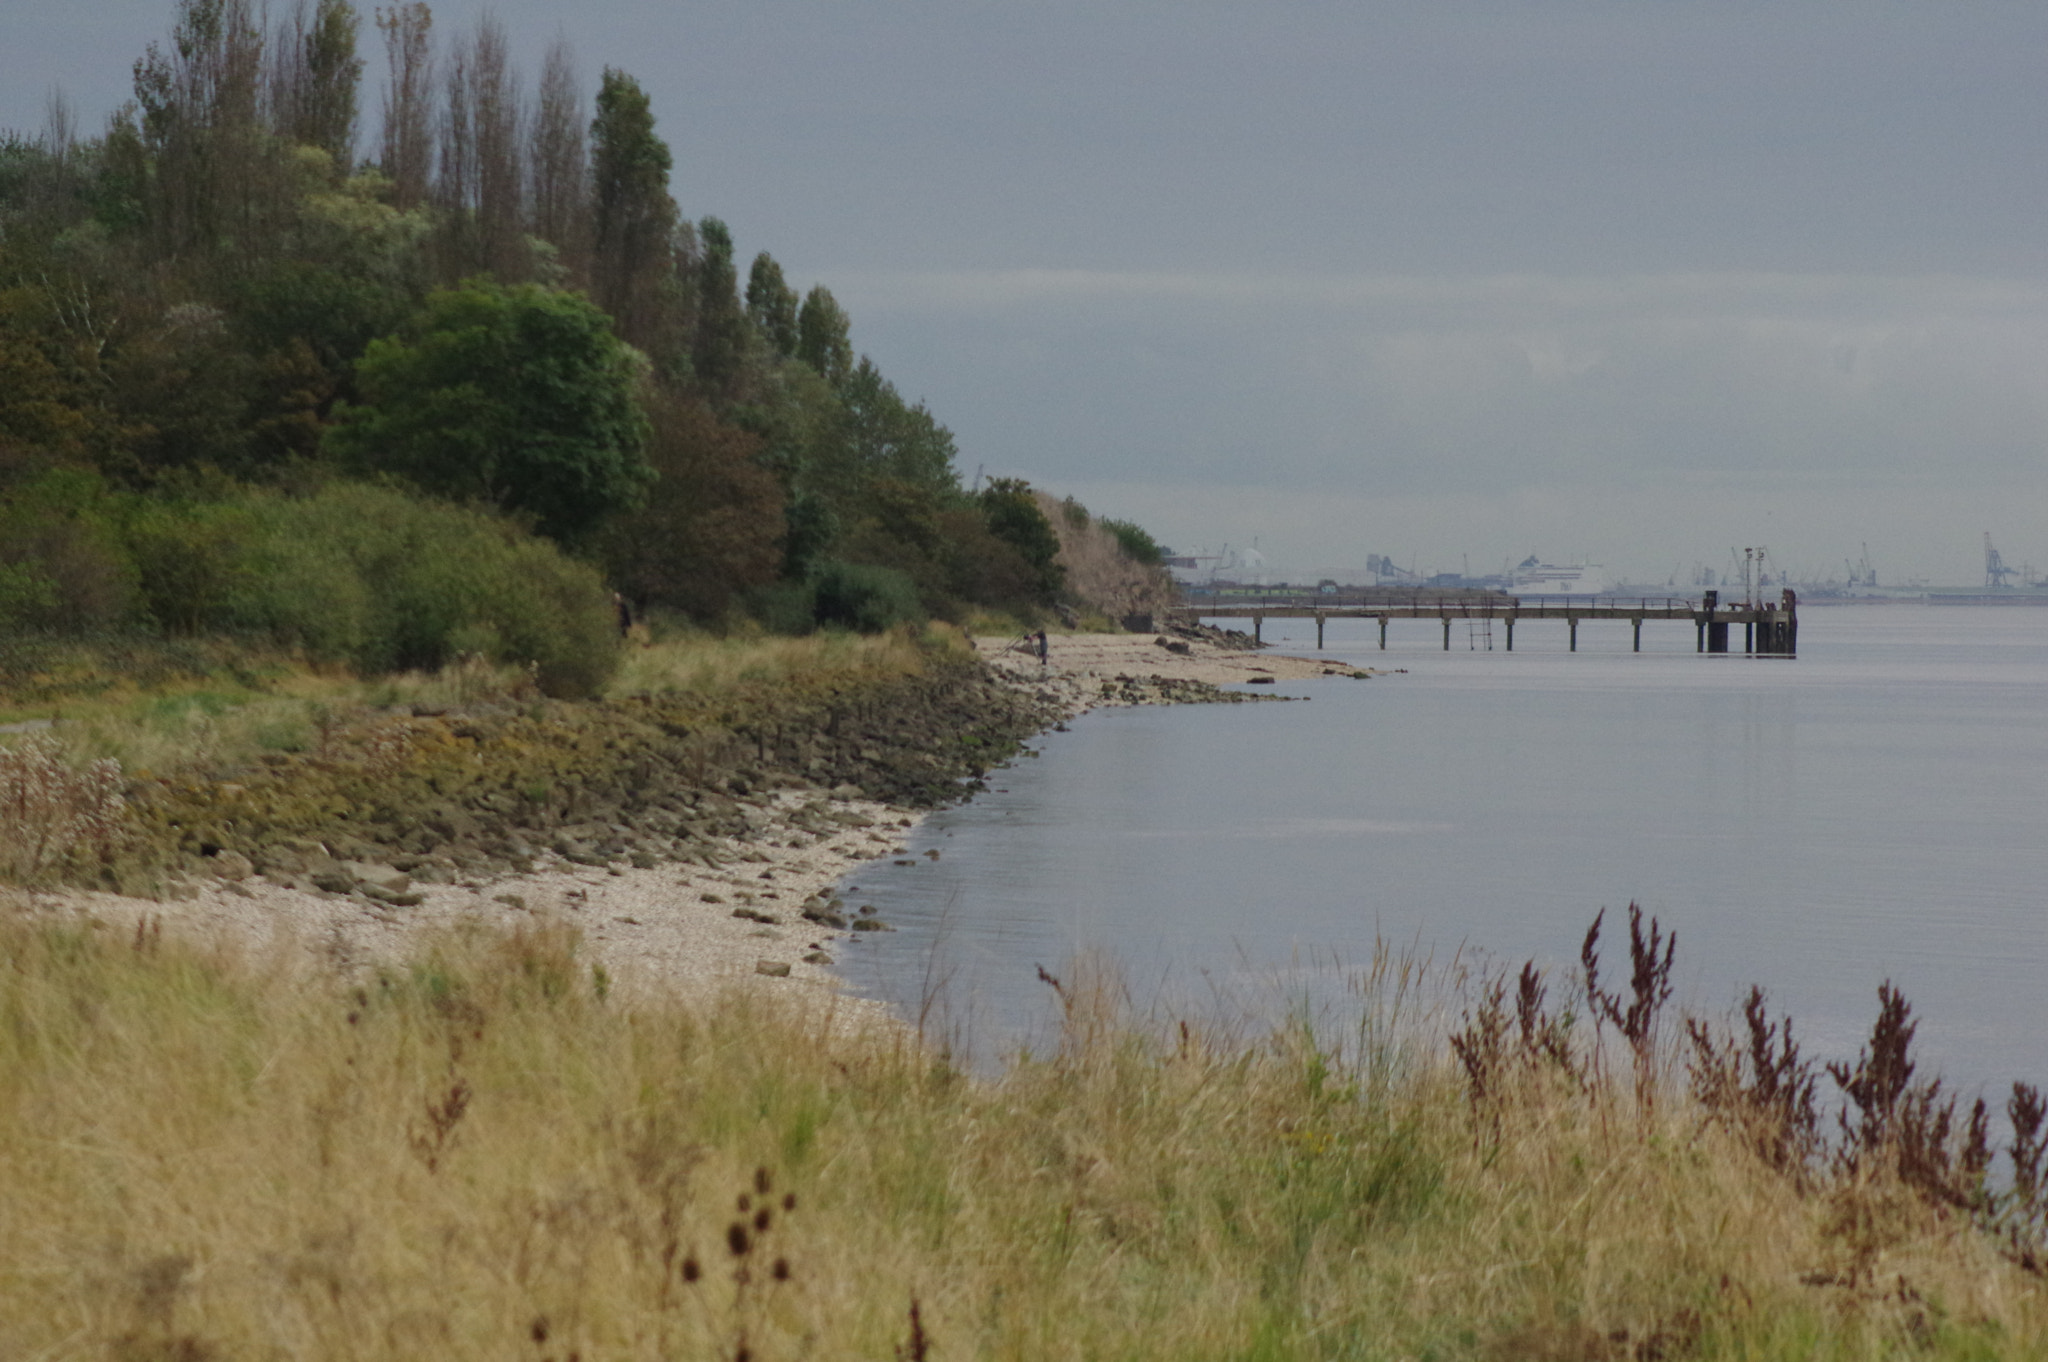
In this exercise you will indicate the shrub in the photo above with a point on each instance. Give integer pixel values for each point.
(368, 576)
(62, 563)
(868, 599)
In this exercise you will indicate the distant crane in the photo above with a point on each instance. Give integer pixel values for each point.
(1995, 570)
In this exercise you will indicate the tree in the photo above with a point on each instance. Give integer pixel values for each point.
(721, 344)
(883, 437)
(200, 130)
(712, 526)
(559, 206)
(823, 336)
(518, 396)
(408, 138)
(772, 306)
(1014, 517)
(314, 76)
(632, 274)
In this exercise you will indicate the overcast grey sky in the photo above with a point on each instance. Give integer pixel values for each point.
(1631, 281)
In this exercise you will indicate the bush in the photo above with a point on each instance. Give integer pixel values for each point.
(62, 563)
(367, 576)
(868, 599)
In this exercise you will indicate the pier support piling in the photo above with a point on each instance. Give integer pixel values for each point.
(1638, 623)
(1447, 633)
(1572, 624)
(1319, 631)
(1511, 633)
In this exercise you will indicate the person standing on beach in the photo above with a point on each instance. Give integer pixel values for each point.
(1042, 650)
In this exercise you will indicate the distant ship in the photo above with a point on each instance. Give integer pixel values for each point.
(1532, 578)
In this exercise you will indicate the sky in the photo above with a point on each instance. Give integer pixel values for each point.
(1633, 282)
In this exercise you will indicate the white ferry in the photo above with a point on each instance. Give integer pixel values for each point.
(1544, 579)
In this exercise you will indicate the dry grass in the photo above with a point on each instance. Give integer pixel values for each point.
(705, 664)
(482, 1155)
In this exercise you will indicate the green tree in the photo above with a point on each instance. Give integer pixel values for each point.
(823, 334)
(520, 397)
(772, 305)
(632, 270)
(314, 78)
(721, 345)
(712, 527)
(884, 437)
(1014, 517)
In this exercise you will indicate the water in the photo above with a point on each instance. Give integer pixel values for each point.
(1875, 809)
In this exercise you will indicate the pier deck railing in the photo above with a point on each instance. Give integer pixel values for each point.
(1769, 629)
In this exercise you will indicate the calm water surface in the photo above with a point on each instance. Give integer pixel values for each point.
(1875, 809)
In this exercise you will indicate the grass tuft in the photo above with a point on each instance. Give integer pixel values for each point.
(478, 1155)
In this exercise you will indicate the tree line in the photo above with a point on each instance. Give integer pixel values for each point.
(243, 293)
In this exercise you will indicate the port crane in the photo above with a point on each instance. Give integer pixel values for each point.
(1995, 570)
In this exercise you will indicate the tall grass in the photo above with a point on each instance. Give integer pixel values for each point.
(487, 1153)
(705, 664)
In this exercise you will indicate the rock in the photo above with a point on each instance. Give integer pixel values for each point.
(817, 958)
(774, 969)
(232, 865)
(871, 924)
(383, 876)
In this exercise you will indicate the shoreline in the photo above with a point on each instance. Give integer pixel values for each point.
(752, 910)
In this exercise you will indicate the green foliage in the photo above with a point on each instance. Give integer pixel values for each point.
(710, 530)
(635, 221)
(1137, 544)
(518, 397)
(772, 305)
(721, 342)
(864, 598)
(1014, 518)
(367, 576)
(62, 561)
(213, 295)
(823, 336)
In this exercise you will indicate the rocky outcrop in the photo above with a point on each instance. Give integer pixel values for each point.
(435, 796)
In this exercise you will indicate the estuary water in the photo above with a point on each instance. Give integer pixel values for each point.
(1874, 809)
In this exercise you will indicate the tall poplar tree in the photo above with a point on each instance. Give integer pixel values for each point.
(559, 204)
(315, 73)
(200, 105)
(824, 336)
(721, 341)
(632, 273)
(408, 136)
(772, 306)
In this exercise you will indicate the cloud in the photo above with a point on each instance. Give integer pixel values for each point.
(1510, 413)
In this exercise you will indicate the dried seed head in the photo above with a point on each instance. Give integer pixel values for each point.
(789, 1201)
(763, 1218)
(745, 1203)
(737, 1239)
(692, 1269)
(762, 1181)
(539, 1329)
(781, 1270)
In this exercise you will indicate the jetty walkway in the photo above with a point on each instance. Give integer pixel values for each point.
(1768, 629)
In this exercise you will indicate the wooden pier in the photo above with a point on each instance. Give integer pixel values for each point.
(1767, 629)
